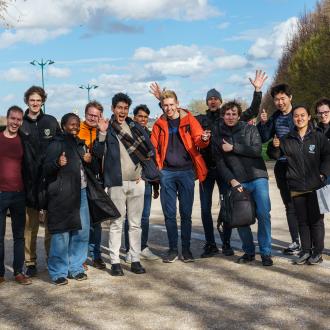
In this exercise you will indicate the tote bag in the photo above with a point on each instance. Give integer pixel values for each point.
(323, 198)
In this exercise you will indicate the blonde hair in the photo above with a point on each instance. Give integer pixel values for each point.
(168, 94)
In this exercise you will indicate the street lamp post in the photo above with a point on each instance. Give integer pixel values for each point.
(42, 64)
(88, 87)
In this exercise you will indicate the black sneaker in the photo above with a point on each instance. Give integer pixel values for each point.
(267, 260)
(31, 271)
(61, 281)
(302, 258)
(171, 256)
(227, 250)
(187, 256)
(116, 270)
(315, 259)
(137, 268)
(292, 249)
(210, 250)
(246, 258)
(79, 277)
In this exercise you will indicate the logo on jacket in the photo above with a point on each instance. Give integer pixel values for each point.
(312, 148)
(47, 131)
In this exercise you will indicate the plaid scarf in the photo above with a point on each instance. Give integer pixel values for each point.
(136, 146)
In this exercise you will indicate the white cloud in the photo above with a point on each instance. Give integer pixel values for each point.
(237, 80)
(59, 72)
(223, 25)
(231, 62)
(33, 36)
(14, 75)
(272, 45)
(56, 14)
(186, 61)
(8, 97)
(176, 60)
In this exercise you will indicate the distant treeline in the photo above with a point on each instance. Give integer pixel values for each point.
(305, 63)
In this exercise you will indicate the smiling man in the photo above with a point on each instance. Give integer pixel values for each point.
(277, 126)
(41, 128)
(237, 149)
(176, 135)
(88, 132)
(12, 196)
(124, 144)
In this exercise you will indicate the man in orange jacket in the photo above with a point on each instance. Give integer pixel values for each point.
(176, 135)
(88, 132)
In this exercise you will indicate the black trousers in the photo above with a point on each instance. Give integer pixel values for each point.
(291, 217)
(311, 222)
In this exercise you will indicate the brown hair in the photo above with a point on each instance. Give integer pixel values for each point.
(35, 90)
(231, 105)
(94, 104)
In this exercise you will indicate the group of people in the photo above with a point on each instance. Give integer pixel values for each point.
(85, 172)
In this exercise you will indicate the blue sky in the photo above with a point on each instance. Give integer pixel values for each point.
(122, 46)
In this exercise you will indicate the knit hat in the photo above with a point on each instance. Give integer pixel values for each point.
(213, 93)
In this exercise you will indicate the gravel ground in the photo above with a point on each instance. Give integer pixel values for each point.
(214, 293)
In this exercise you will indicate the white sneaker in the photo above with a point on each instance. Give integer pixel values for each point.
(148, 255)
(128, 258)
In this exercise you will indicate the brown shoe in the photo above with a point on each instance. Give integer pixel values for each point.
(99, 264)
(85, 266)
(2, 279)
(22, 279)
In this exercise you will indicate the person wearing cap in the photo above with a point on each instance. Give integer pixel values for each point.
(207, 121)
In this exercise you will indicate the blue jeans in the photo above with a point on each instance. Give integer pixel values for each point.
(144, 219)
(205, 193)
(15, 202)
(181, 184)
(94, 246)
(260, 192)
(68, 251)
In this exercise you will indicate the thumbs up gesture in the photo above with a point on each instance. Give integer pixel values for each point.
(87, 157)
(263, 116)
(276, 141)
(226, 146)
(62, 161)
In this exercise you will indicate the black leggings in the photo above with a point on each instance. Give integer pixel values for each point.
(280, 176)
(311, 224)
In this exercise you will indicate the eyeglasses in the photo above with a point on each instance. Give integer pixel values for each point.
(92, 116)
(323, 113)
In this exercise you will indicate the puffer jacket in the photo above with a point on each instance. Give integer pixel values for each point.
(190, 133)
(244, 163)
(64, 184)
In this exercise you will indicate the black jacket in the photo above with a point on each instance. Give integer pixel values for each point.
(29, 166)
(307, 159)
(244, 163)
(64, 184)
(208, 121)
(110, 150)
(40, 132)
(324, 129)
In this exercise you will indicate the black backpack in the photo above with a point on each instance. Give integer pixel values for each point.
(237, 209)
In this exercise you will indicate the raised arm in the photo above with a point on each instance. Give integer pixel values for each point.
(257, 83)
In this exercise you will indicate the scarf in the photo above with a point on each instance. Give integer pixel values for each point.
(136, 146)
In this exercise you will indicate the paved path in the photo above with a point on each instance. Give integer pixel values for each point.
(214, 293)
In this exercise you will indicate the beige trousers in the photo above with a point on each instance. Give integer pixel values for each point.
(31, 233)
(129, 199)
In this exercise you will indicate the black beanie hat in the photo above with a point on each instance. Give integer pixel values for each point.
(213, 93)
